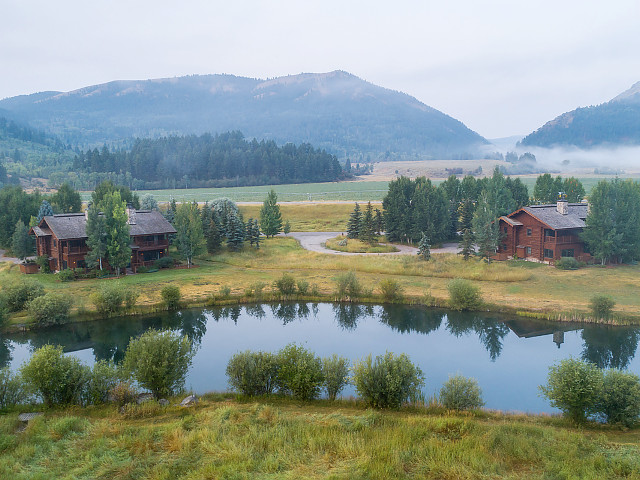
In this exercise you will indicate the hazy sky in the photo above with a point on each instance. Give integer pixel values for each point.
(501, 67)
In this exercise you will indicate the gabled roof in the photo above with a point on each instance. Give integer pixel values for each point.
(66, 226)
(511, 221)
(149, 222)
(73, 225)
(549, 215)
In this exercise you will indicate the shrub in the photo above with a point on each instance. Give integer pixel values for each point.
(130, 297)
(461, 393)
(286, 285)
(57, 378)
(335, 370)
(574, 387)
(225, 291)
(348, 286)
(391, 290)
(620, 399)
(159, 361)
(109, 298)
(43, 263)
(602, 306)
(65, 275)
(303, 287)
(253, 373)
(463, 295)
(171, 296)
(18, 294)
(388, 381)
(11, 389)
(568, 263)
(164, 262)
(123, 393)
(50, 309)
(299, 372)
(103, 379)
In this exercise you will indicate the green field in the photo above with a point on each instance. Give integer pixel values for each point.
(359, 191)
(334, 191)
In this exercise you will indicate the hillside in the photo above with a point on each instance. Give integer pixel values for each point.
(616, 122)
(335, 111)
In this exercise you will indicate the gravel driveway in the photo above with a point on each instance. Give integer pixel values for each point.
(313, 241)
(8, 259)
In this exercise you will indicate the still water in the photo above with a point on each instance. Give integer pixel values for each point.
(508, 356)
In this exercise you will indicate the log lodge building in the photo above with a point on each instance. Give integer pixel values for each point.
(62, 238)
(544, 233)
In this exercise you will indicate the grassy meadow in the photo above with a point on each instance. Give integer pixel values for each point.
(509, 286)
(233, 438)
(357, 246)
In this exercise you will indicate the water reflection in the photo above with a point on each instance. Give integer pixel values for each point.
(108, 340)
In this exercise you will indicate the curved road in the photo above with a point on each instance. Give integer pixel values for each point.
(313, 241)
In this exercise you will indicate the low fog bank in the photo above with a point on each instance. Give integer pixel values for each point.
(601, 160)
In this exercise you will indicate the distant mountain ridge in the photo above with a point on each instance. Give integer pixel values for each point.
(336, 111)
(613, 123)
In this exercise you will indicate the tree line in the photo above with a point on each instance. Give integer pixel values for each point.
(219, 160)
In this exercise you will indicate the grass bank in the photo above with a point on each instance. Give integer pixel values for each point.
(532, 289)
(226, 437)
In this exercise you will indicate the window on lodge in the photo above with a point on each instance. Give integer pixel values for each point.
(529, 232)
(528, 250)
(504, 247)
(549, 233)
(567, 252)
(548, 253)
(505, 229)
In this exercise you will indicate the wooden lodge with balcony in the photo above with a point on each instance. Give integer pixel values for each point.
(544, 233)
(62, 238)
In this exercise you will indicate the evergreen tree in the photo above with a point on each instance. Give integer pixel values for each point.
(148, 202)
(44, 211)
(255, 233)
(466, 244)
(485, 226)
(354, 223)
(235, 233)
(424, 248)
(66, 199)
(466, 214)
(249, 231)
(20, 241)
(287, 227)
(379, 222)
(397, 209)
(367, 228)
(214, 239)
(270, 217)
(117, 228)
(189, 237)
(107, 187)
(547, 188)
(519, 192)
(96, 237)
(573, 189)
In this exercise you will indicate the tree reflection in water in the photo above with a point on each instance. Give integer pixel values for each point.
(490, 331)
(407, 319)
(616, 349)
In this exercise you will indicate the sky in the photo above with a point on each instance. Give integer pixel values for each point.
(502, 67)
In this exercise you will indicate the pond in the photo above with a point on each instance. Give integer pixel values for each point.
(508, 356)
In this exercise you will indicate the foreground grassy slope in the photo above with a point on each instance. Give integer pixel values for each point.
(507, 285)
(275, 438)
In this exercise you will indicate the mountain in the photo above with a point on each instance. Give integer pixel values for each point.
(336, 111)
(614, 123)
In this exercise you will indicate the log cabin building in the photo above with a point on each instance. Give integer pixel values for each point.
(63, 239)
(544, 233)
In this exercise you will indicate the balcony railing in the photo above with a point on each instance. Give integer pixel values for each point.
(157, 244)
(75, 250)
(563, 239)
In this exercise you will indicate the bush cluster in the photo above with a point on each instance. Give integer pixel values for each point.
(111, 297)
(581, 389)
(164, 262)
(17, 295)
(568, 263)
(171, 296)
(463, 295)
(348, 287)
(391, 290)
(461, 393)
(286, 285)
(11, 389)
(388, 381)
(50, 309)
(602, 306)
(293, 370)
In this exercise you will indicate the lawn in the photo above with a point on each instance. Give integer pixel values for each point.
(226, 437)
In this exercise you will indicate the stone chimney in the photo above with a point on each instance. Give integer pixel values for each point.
(131, 215)
(562, 206)
(86, 214)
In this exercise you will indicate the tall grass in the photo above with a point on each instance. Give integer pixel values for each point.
(221, 438)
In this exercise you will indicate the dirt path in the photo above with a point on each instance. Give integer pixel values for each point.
(313, 241)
